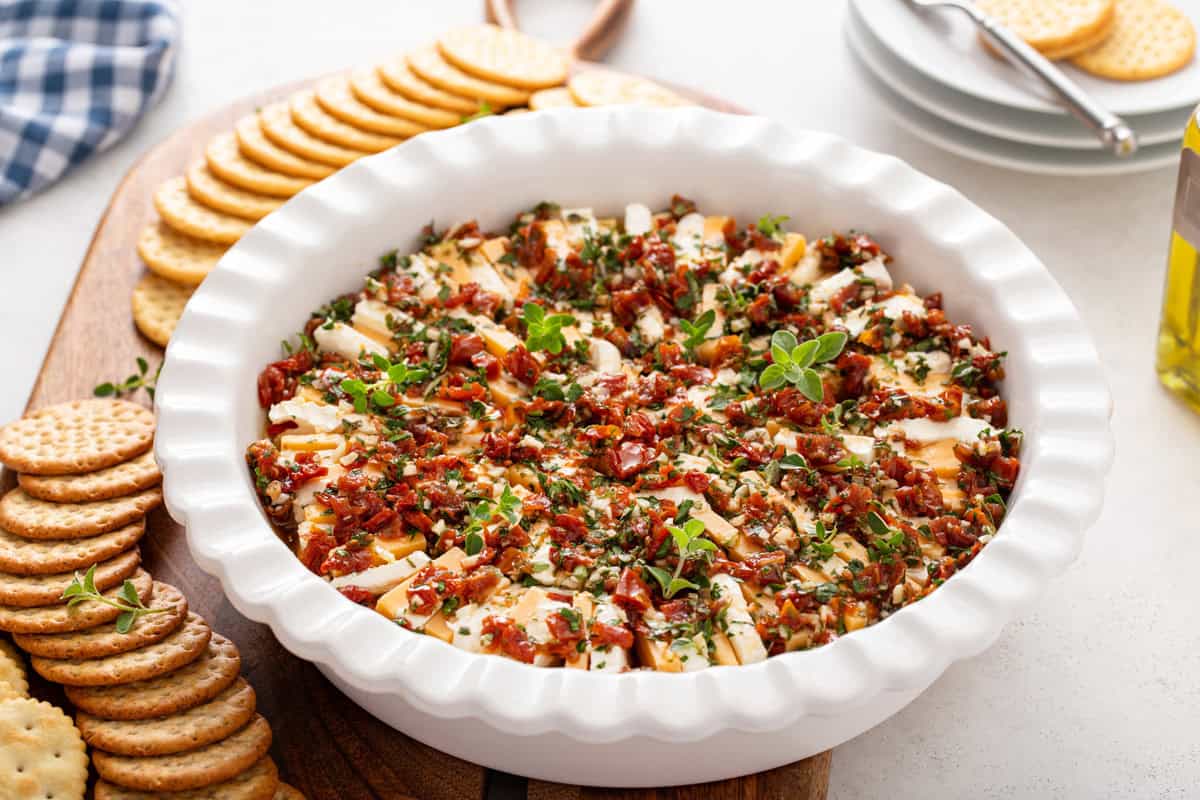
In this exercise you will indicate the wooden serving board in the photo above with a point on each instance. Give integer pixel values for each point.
(324, 744)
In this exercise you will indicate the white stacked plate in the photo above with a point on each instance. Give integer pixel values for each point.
(930, 71)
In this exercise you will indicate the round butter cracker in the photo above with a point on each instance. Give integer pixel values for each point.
(13, 682)
(38, 519)
(176, 256)
(185, 644)
(366, 86)
(198, 682)
(21, 556)
(1150, 39)
(558, 97)
(336, 98)
(80, 436)
(177, 208)
(308, 114)
(207, 189)
(194, 769)
(105, 640)
(278, 125)
(44, 590)
(259, 782)
(41, 753)
(1052, 25)
(428, 64)
(157, 306)
(600, 87)
(226, 161)
(62, 618)
(204, 724)
(398, 77)
(255, 145)
(504, 56)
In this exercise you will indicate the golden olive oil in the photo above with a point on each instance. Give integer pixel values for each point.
(1179, 337)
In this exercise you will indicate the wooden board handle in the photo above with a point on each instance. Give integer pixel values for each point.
(595, 40)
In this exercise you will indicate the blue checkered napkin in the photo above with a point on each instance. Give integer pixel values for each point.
(75, 76)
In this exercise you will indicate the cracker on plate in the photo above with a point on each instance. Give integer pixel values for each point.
(401, 79)
(278, 125)
(1151, 38)
(429, 64)
(308, 114)
(337, 99)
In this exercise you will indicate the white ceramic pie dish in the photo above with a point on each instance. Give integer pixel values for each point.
(643, 728)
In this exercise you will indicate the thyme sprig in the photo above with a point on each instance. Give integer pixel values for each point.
(82, 590)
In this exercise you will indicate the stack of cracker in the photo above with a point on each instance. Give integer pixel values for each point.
(247, 173)
(158, 693)
(1125, 40)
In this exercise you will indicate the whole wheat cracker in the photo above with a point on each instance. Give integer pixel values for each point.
(80, 436)
(39, 519)
(22, 556)
(184, 645)
(140, 472)
(62, 618)
(204, 724)
(259, 782)
(197, 683)
(193, 769)
(44, 590)
(105, 640)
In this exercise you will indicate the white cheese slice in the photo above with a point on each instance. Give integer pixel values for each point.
(740, 629)
(489, 280)
(371, 317)
(345, 341)
(612, 658)
(604, 356)
(638, 220)
(825, 290)
(893, 308)
(861, 446)
(650, 325)
(421, 268)
(466, 626)
(309, 417)
(877, 271)
(690, 654)
(927, 431)
(380, 579)
(709, 302)
(689, 236)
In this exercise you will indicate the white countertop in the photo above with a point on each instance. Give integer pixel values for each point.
(1096, 693)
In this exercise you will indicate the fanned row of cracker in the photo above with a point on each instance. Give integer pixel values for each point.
(157, 692)
(1124, 40)
(285, 147)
